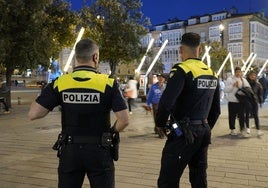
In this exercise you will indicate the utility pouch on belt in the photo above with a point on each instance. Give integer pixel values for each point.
(115, 146)
(106, 140)
(182, 127)
(115, 143)
(186, 129)
(59, 143)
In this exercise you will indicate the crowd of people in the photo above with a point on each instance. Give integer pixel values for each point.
(247, 105)
(186, 105)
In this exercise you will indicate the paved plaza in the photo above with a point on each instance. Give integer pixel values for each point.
(28, 161)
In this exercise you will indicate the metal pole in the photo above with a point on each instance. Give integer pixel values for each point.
(263, 67)
(145, 55)
(250, 63)
(245, 63)
(156, 57)
(72, 52)
(206, 55)
(224, 62)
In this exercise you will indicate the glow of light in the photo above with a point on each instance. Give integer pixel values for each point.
(263, 67)
(206, 55)
(208, 61)
(156, 57)
(144, 57)
(153, 63)
(72, 52)
(229, 56)
(221, 27)
(245, 63)
(250, 63)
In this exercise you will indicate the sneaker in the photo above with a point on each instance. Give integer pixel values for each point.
(243, 134)
(7, 112)
(248, 130)
(233, 133)
(130, 113)
(259, 133)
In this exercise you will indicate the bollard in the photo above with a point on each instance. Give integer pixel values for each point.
(19, 100)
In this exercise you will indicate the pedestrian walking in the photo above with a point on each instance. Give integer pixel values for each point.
(154, 96)
(264, 82)
(192, 101)
(235, 107)
(6, 108)
(222, 86)
(258, 100)
(86, 99)
(3, 91)
(131, 93)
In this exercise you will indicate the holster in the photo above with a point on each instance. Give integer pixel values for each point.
(106, 140)
(115, 146)
(184, 126)
(59, 143)
(111, 141)
(186, 129)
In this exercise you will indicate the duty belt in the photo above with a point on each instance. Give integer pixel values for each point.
(83, 140)
(199, 122)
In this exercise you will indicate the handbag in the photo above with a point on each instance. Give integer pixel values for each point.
(245, 95)
(128, 93)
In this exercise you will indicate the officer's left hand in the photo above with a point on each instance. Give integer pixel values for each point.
(160, 132)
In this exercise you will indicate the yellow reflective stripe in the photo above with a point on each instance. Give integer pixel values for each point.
(55, 83)
(97, 81)
(196, 67)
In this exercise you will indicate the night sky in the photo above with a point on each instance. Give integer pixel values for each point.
(160, 11)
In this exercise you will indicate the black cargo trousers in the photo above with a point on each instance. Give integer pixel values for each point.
(93, 160)
(176, 155)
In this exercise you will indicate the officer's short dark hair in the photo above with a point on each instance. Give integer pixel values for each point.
(85, 48)
(190, 39)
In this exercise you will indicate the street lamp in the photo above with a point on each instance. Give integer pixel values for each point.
(221, 28)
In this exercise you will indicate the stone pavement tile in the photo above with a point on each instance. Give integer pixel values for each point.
(27, 160)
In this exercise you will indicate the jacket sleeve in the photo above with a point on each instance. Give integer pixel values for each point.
(169, 97)
(245, 83)
(229, 85)
(260, 93)
(150, 95)
(215, 109)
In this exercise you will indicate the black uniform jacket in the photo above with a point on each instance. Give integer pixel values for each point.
(86, 99)
(192, 91)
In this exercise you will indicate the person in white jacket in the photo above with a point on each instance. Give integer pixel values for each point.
(131, 93)
(235, 108)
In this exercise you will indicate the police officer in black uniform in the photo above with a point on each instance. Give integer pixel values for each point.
(191, 103)
(86, 99)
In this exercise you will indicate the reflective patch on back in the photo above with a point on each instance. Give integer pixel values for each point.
(206, 83)
(81, 98)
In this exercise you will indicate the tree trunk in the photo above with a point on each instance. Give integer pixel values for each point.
(7, 89)
(113, 68)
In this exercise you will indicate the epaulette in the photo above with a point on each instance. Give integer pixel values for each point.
(173, 69)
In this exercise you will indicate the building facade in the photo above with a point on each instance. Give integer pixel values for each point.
(240, 34)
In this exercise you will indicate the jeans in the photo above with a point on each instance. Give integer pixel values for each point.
(236, 109)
